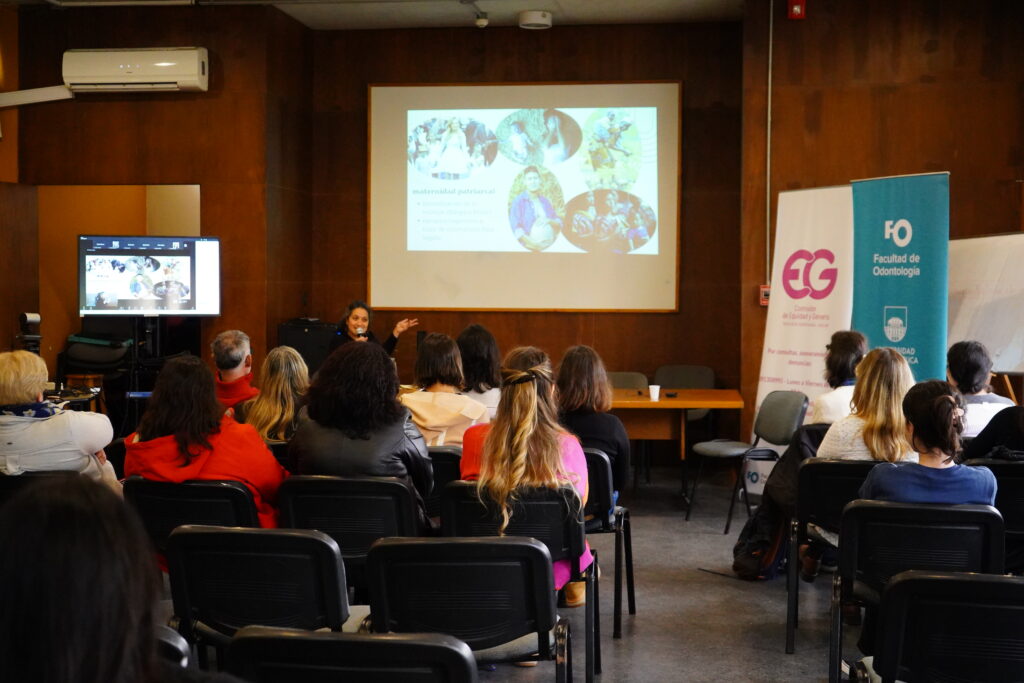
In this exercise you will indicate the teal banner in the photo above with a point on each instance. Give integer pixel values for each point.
(901, 267)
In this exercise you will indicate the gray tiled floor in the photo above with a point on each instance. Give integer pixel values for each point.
(695, 621)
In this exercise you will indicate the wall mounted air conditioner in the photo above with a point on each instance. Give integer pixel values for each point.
(137, 70)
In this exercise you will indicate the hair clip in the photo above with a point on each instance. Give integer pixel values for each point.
(528, 377)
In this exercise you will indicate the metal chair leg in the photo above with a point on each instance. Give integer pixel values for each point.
(732, 499)
(597, 615)
(835, 640)
(693, 492)
(627, 526)
(793, 593)
(617, 611)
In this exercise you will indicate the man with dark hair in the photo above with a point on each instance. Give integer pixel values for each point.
(233, 357)
(969, 369)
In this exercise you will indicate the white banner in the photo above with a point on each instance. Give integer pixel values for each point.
(812, 288)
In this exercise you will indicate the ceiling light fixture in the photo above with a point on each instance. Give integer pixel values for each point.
(534, 19)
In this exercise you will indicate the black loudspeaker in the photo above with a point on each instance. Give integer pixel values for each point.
(311, 338)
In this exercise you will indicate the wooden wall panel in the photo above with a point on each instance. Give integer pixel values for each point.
(215, 139)
(8, 82)
(19, 263)
(866, 89)
(705, 57)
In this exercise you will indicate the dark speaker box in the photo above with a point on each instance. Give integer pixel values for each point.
(311, 338)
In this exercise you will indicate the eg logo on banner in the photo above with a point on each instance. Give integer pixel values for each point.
(803, 274)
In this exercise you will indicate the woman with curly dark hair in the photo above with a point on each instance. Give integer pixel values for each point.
(356, 427)
(185, 434)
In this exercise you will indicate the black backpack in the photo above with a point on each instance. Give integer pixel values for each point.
(760, 551)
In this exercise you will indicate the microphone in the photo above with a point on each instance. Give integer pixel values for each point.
(360, 331)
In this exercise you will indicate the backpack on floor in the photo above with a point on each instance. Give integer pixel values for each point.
(760, 551)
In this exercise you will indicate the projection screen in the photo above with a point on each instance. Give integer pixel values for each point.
(525, 197)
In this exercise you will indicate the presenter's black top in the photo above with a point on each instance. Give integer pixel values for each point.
(605, 432)
(341, 338)
(1005, 429)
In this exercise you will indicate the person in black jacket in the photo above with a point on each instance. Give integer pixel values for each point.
(355, 327)
(584, 399)
(354, 425)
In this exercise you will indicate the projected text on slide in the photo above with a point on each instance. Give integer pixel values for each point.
(555, 180)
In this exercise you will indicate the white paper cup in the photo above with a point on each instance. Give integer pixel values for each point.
(655, 390)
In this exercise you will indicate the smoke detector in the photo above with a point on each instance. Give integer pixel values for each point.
(534, 19)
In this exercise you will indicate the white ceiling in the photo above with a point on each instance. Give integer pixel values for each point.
(377, 14)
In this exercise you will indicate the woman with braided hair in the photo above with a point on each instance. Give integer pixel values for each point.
(524, 446)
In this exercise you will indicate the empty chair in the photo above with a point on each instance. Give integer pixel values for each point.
(1010, 503)
(603, 516)
(281, 454)
(824, 487)
(354, 512)
(781, 413)
(686, 377)
(495, 594)
(950, 626)
(878, 540)
(268, 655)
(628, 380)
(225, 578)
(445, 462)
(552, 516)
(164, 506)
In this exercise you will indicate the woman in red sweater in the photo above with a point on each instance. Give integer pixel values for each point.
(185, 434)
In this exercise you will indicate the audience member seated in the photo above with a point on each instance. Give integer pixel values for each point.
(526, 447)
(185, 434)
(481, 364)
(274, 413)
(969, 369)
(844, 352)
(1006, 429)
(233, 357)
(79, 591)
(876, 429)
(36, 435)
(355, 327)
(934, 412)
(584, 399)
(438, 409)
(354, 426)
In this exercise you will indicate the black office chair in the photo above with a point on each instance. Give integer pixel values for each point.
(1010, 503)
(283, 457)
(780, 415)
(949, 626)
(164, 506)
(268, 655)
(641, 455)
(225, 578)
(824, 487)
(602, 516)
(354, 512)
(445, 460)
(171, 647)
(552, 516)
(495, 594)
(878, 540)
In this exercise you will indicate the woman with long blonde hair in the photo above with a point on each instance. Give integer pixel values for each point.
(283, 382)
(524, 446)
(876, 429)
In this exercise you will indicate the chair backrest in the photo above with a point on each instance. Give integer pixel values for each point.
(164, 506)
(10, 484)
(484, 591)
(282, 455)
(879, 539)
(223, 579)
(824, 487)
(781, 413)
(552, 516)
(354, 512)
(948, 626)
(600, 500)
(445, 460)
(267, 655)
(1009, 491)
(628, 380)
(686, 377)
(171, 646)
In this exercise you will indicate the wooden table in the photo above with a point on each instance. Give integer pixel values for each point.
(665, 419)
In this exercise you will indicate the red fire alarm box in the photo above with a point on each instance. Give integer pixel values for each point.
(797, 9)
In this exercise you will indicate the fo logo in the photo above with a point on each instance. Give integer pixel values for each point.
(900, 232)
(806, 274)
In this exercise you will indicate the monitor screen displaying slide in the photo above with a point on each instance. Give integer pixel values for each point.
(525, 197)
(148, 275)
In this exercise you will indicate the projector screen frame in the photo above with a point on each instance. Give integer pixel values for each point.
(675, 181)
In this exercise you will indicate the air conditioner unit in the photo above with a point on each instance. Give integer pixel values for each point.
(137, 70)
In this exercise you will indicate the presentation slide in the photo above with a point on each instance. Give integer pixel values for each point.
(148, 275)
(545, 197)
